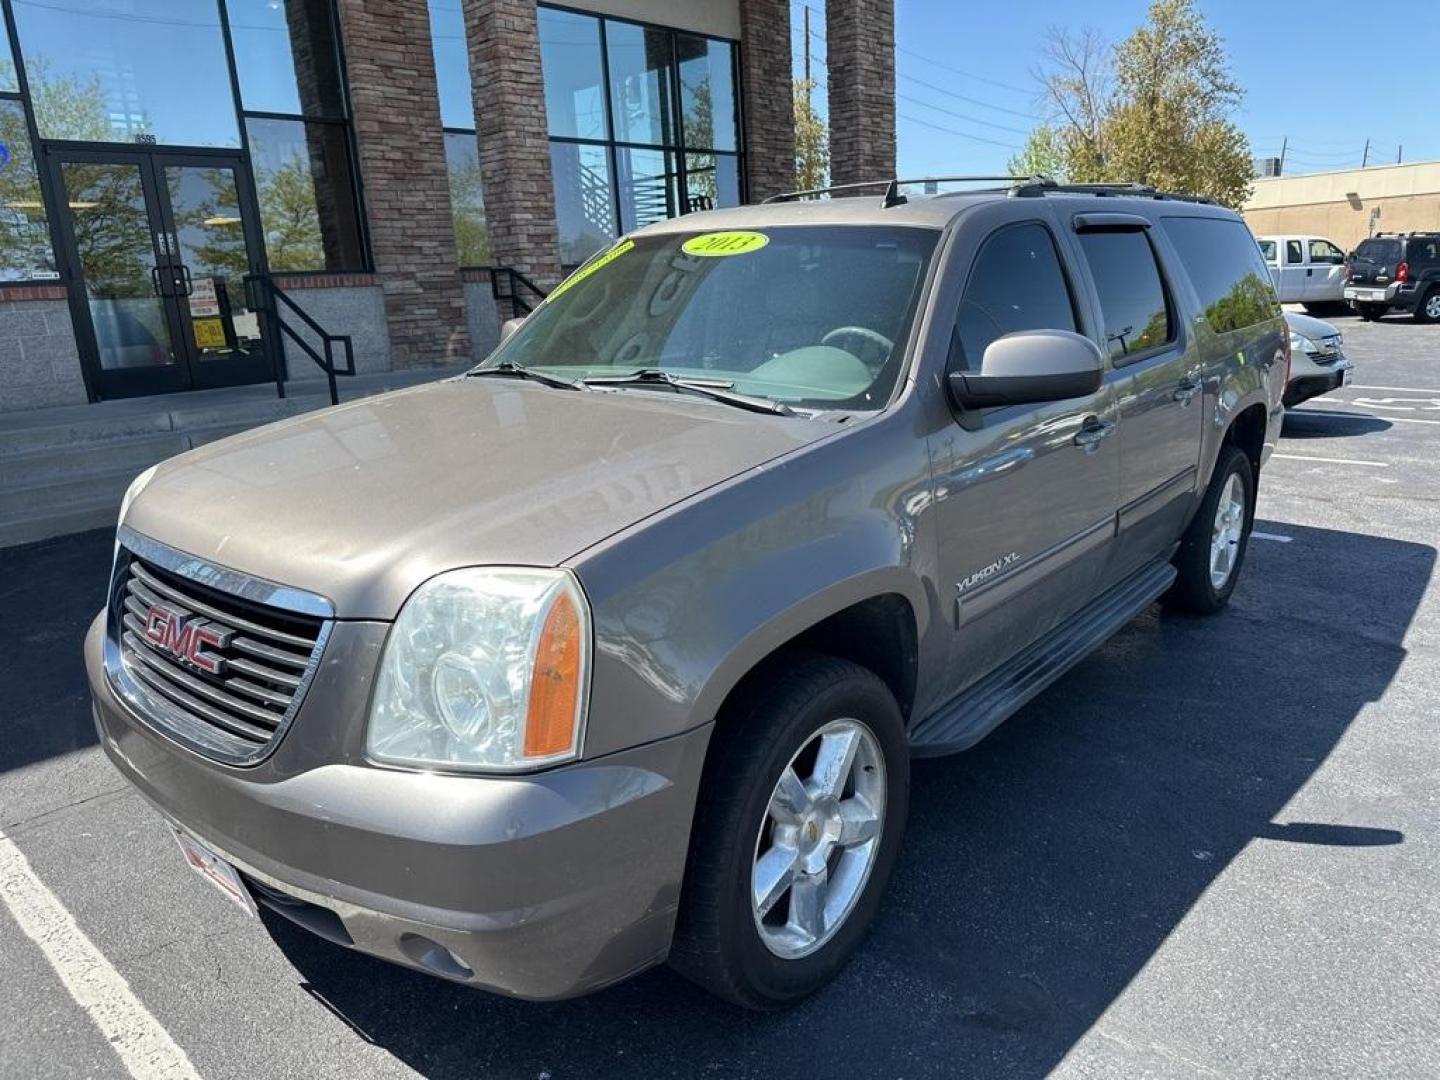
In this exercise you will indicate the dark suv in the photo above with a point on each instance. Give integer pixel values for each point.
(1395, 270)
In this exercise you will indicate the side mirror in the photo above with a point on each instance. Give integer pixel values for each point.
(1030, 367)
(508, 327)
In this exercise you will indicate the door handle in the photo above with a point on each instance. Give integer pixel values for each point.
(155, 280)
(1188, 388)
(1092, 431)
(184, 281)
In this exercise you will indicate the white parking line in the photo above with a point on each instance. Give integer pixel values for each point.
(1308, 411)
(1277, 537)
(145, 1048)
(1332, 460)
(1401, 389)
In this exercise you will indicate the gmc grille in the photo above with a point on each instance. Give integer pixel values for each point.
(263, 661)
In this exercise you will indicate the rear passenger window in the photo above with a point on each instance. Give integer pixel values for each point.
(1132, 296)
(1016, 284)
(1294, 253)
(1223, 263)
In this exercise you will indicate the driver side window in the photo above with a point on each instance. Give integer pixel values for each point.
(1016, 283)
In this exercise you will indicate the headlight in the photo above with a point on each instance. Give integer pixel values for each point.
(486, 669)
(1301, 343)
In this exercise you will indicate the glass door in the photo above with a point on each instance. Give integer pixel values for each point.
(158, 246)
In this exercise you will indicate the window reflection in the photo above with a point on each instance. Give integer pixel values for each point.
(24, 235)
(712, 181)
(94, 73)
(467, 198)
(584, 200)
(117, 262)
(707, 92)
(574, 87)
(285, 56)
(307, 204)
(648, 186)
(641, 60)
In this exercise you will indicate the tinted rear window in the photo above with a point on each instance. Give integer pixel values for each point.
(1380, 251)
(1132, 298)
(1224, 265)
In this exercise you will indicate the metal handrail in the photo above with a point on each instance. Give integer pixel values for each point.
(263, 294)
(520, 306)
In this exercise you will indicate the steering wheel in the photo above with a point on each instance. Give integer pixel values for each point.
(869, 346)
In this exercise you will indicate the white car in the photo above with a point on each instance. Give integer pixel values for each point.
(1318, 363)
(1307, 270)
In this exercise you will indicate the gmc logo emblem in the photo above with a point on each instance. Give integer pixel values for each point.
(186, 639)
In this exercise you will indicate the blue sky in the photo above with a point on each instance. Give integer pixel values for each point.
(964, 75)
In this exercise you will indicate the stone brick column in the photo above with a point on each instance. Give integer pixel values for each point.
(509, 94)
(396, 111)
(860, 59)
(768, 96)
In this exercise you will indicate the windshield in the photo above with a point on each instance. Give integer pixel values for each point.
(814, 317)
(1379, 251)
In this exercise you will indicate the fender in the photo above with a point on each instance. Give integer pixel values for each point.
(684, 607)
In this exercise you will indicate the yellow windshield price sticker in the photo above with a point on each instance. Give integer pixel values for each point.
(590, 268)
(724, 243)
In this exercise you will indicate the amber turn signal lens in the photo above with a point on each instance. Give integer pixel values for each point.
(555, 682)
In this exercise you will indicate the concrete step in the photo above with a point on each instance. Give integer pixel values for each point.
(95, 514)
(55, 496)
(49, 464)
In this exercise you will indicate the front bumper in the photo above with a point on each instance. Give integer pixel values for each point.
(1306, 385)
(542, 886)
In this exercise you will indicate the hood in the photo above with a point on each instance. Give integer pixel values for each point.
(363, 502)
(1309, 326)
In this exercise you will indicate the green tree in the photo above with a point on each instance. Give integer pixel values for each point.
(467, 201)
(812, 139)
(290, 216)
(1154, 109)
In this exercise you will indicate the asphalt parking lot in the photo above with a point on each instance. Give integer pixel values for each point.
(1213, 849)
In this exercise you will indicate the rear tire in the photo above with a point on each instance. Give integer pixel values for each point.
(1212, 551)
(748, 823)
(1371, 312)
(1428, 309)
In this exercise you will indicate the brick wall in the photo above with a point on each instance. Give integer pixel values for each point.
(769, 105)
(509, 94)
(396, 110)
(39, 363)
(860, 61)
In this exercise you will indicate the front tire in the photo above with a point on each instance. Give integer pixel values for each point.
(1213, 548)
(800, 817)
(1428, 309)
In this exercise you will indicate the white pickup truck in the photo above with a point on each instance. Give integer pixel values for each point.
(1307, 270)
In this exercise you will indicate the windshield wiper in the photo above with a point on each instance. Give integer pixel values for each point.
(714, 389)
(510, 369)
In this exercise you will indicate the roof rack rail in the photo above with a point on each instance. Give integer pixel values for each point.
(1045, 186)
(893, 196)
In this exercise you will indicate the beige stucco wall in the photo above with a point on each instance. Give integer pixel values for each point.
(718, 17)
(1339, 205)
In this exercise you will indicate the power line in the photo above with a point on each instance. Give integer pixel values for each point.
(960, 134)
(965, 98)
(961, 71)
(962, 116)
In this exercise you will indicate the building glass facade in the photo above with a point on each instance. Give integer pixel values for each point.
(457, 117)
(644, 124)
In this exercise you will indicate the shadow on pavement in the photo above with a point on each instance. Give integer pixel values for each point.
(49, 592)
(1315, 424)
(1042, 869)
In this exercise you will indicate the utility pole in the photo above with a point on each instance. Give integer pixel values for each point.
(807, 44)
(1284, 145)
(1365, 159)
(1399, 153)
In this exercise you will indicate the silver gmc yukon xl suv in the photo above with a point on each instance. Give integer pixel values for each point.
(616, 649)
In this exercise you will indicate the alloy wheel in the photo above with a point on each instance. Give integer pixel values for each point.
(1226, 531)
(1432, 306)
(819, 839)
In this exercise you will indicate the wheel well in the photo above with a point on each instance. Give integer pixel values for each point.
(878, 634)
(1247, 431)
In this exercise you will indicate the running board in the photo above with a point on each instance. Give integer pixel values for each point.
(963, 721)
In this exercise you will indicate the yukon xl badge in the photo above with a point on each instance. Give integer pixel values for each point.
(985, 573)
